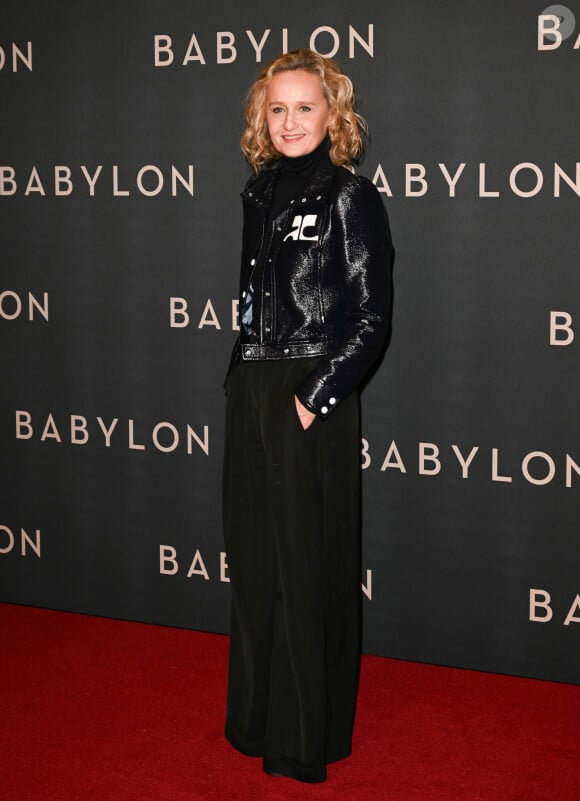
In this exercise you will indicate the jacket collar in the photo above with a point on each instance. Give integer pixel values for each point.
(260, 189)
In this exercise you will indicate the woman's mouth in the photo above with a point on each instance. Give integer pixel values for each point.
(292, 137)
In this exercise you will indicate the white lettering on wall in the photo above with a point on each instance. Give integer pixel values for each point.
(541, 610)
(561, 331)
(164, 436)
(18, 57)
(12, 306)
(8, 541)
(197, 566)
(325, 40)
(421, 179)
(205, 317)
(538, 468)
(62, 181)
(554, 29)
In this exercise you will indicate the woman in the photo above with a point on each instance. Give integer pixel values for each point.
(314, 301)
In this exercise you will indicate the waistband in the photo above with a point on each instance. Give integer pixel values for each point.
(252, 351)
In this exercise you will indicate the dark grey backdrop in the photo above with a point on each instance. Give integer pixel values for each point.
(452, 561)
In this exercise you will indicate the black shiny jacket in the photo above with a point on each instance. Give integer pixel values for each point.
(326, 281)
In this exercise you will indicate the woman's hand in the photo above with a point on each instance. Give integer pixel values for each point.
(306, 416)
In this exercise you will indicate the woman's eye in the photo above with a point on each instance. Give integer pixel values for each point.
(304, 108)
(276, 110)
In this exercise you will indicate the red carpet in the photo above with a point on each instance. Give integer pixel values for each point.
(102, 710)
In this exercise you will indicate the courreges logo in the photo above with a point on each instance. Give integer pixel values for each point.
(325, 39)
(556, 24)
(303, 227)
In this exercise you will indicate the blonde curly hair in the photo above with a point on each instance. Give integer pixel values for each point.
(346, 128)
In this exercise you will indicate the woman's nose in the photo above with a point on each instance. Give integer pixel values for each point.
(289, 121)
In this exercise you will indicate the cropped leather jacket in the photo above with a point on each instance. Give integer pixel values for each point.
(325, 286)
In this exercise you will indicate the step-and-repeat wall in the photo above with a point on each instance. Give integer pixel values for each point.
(120, 219)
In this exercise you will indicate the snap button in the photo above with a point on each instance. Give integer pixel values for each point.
(324, 409)
(250, 194)
(268, 330)
(318, 197)
(252, 262)
(248, 352)
(304, 200)
(278, 228)
(269, 259)
(267, 294)
(332, 401)
(291, 202)
(286, 350)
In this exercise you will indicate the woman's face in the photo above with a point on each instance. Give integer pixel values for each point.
(296, 112)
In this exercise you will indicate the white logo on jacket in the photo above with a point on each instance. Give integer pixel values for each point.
(299, 225)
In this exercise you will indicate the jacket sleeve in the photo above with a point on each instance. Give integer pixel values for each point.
(361, 268)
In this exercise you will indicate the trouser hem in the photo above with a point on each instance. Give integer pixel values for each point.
(276, 765)
(291, 768)
(241, 744)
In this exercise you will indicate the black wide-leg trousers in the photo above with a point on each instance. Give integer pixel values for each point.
(291, 515)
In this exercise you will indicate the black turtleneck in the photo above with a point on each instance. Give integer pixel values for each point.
(294, 174)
